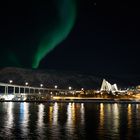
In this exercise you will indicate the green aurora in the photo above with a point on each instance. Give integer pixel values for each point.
(59, 30)
(27, 36)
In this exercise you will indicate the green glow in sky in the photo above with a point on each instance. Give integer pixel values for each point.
(58, 31)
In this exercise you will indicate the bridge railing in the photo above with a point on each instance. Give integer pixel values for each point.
(6, 88)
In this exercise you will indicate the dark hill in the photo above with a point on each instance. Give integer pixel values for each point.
(49, 78)
(63, 79)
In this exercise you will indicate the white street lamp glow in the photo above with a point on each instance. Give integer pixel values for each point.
(70, 88)
(10, 81)
(41, 85)
(55, 86)
(26, 83)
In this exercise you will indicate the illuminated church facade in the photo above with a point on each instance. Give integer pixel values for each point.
(106, 86)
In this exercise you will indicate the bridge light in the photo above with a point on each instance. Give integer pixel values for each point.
(55, 86)
(82, 89)
(41, 85)
(10, 81)
(70, 88)
(26, 83)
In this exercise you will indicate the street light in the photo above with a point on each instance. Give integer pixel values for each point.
(26, 83)
(55, 86)
(70, 88)
(41, 85)
(82, 89)
(10, 81)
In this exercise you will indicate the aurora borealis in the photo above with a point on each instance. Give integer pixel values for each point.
(33, 29)
(82, 35)
(66, 13)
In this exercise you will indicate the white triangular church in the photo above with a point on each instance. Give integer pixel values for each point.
(106, 86)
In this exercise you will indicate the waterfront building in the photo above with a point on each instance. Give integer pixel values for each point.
(106, 86)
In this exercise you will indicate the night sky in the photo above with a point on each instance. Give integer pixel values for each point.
(83, 35)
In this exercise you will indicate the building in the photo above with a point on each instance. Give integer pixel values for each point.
(138, 87)
(106, 86)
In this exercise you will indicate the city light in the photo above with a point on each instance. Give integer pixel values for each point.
(10, 81)
(132, 95)
(70, 88)
(41, 85)
(8, 97)
(26, 83)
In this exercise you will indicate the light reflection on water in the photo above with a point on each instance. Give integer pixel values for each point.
(129, 117)
(101, 124)
(109, 120)
(129, 114)
(69, 121)
(40, 121)
(115, 122)
(55, 114)
(82, 111)
(10, 114)
(50, 114)
(9, 118)
(24, 118)
(55, 127)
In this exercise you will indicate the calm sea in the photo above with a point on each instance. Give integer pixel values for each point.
(69, 121)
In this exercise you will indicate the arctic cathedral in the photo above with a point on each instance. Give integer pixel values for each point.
(106, 86)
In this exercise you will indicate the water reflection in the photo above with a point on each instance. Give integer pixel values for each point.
(70, 123)
(109, 120)
(40, 121)
(137, 110)
(55, 114)
(24, 118)
(137, 106)
(101, 120)
(129, 119)
(55, 127)
(115, 118)
(10, 115)
(9, 119)
(71, 114)
(101, 116)
(82, 111)
(50, 114)
(129, 115)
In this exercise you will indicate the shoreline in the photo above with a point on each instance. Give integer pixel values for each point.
(134, 101)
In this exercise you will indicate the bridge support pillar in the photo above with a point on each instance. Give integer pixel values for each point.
(14, 90)
(6, 90)
(19, 89)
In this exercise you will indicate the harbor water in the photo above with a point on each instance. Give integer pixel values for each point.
(69, 121)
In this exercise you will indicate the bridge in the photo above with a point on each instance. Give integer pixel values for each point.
(8, 91)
